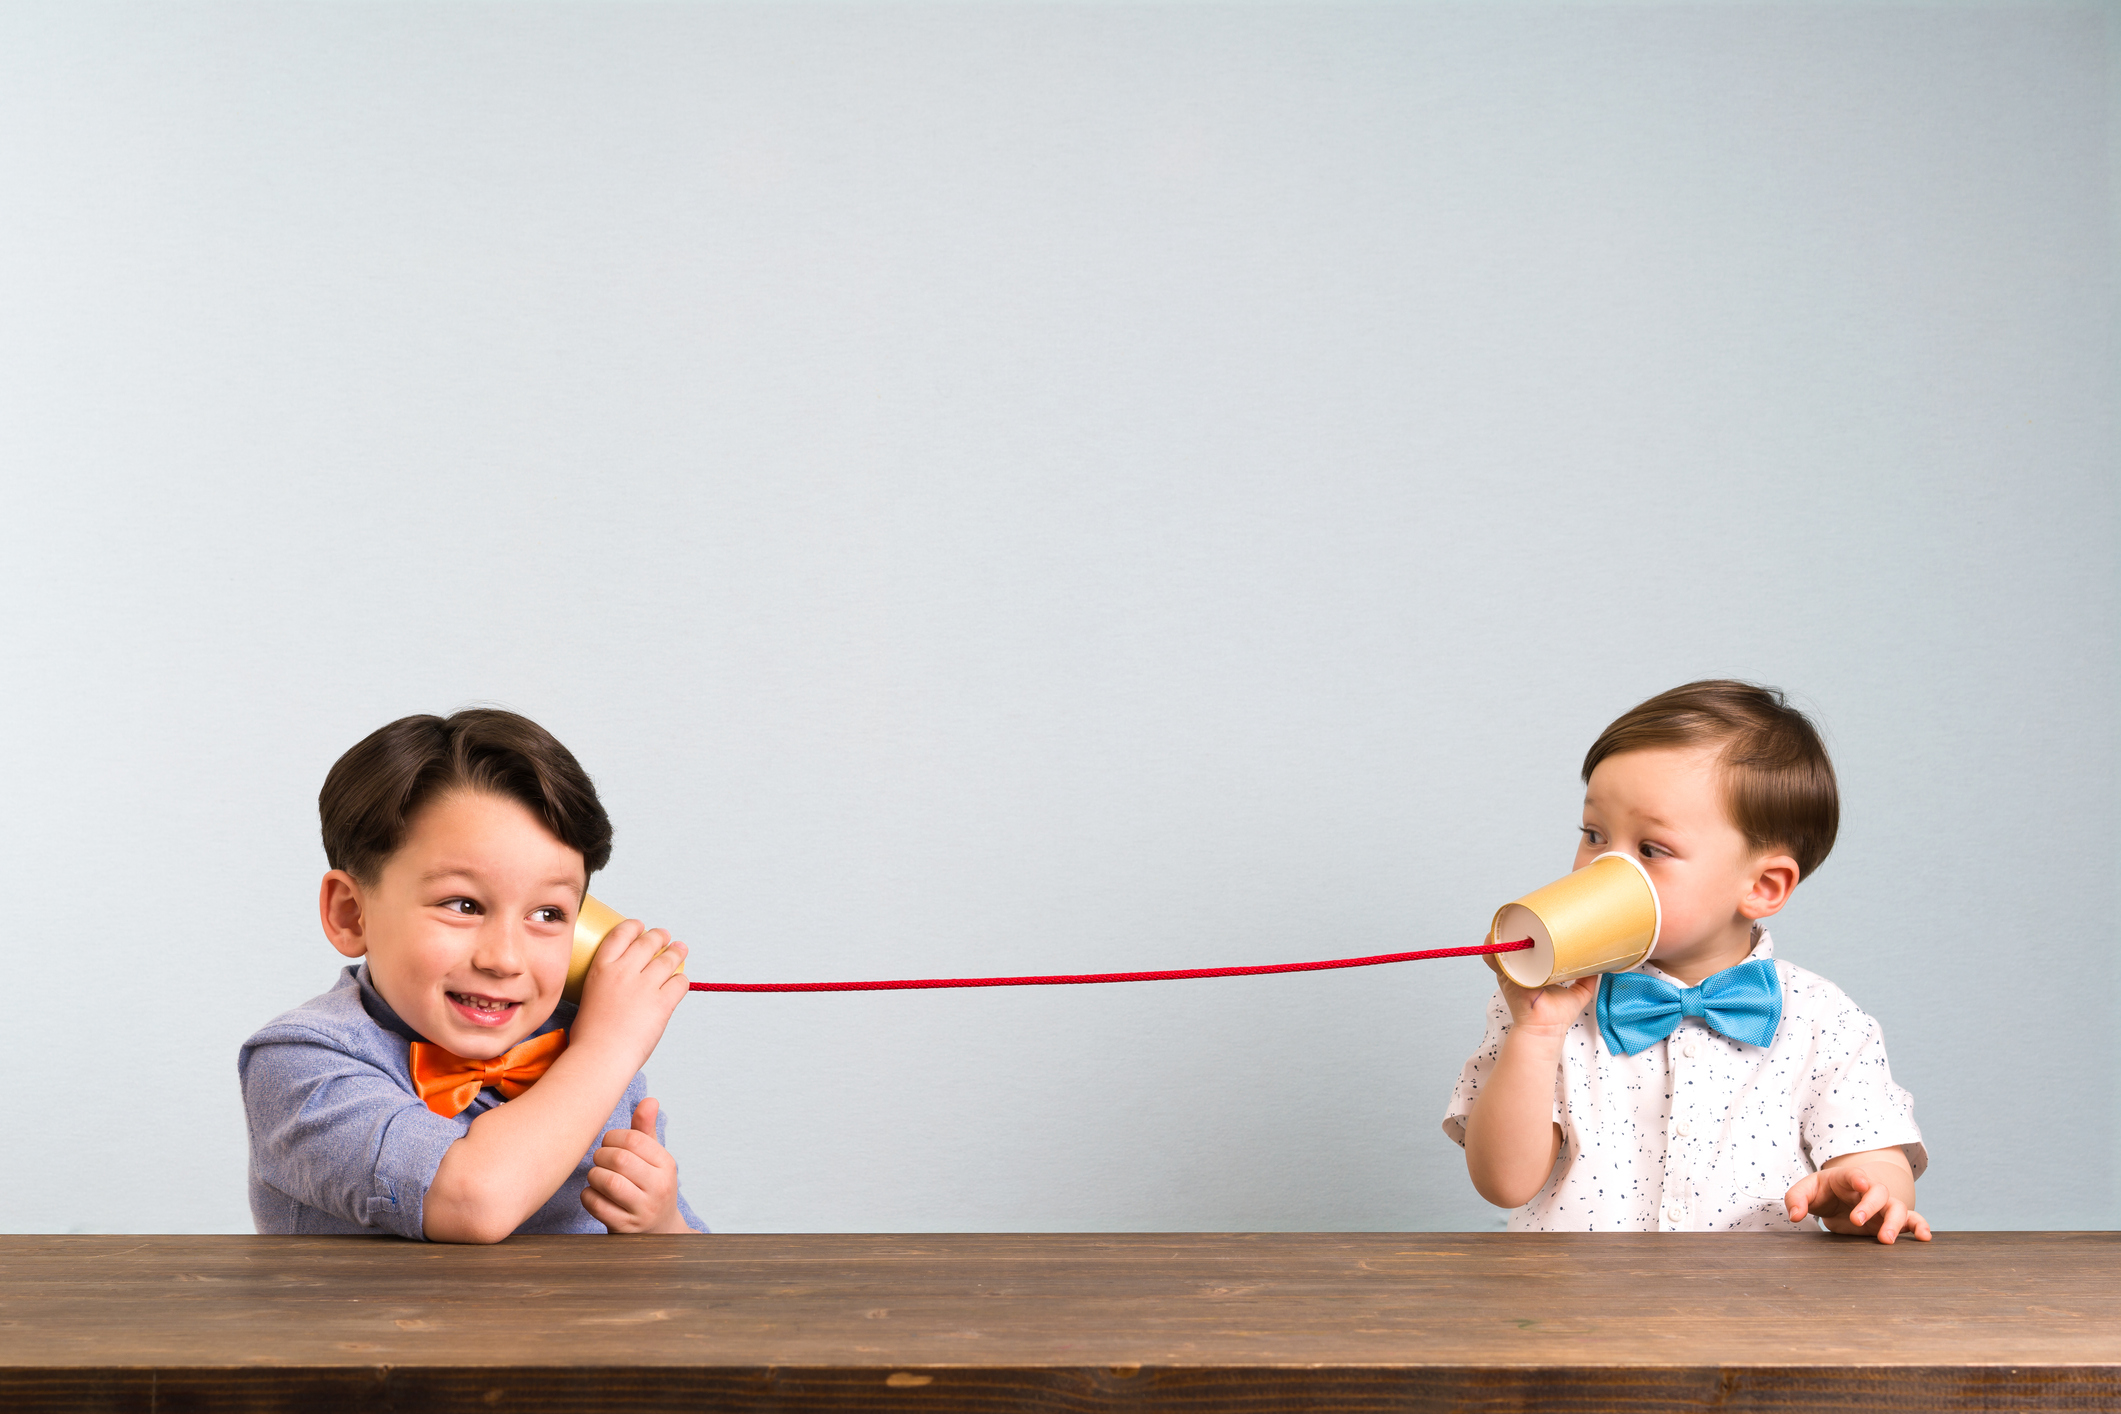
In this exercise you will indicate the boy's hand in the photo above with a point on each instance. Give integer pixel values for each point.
(633, 986)
(1546, 1011)
(1858, 1200)
(633, 1185)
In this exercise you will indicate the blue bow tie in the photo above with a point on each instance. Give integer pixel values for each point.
(1636, 1009)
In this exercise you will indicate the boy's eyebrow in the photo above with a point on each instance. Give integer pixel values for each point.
(1655, 821)
(459, 871)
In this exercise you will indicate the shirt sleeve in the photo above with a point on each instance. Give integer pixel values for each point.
(339, 1134)
(1475, 1071)
(1854, 1104)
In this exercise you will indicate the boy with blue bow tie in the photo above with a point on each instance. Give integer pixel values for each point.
(444, 1088)
(1712, 1087)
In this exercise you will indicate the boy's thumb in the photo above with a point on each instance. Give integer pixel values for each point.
(644, 1116)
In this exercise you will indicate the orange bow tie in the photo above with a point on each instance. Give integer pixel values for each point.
(449, 1083)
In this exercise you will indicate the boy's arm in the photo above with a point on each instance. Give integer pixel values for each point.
(1867, 1194)
(516, 1155)
(1868, 1191)
(1511, 1137)
(334, 1131)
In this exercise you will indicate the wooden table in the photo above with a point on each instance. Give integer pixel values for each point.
(1197, 1322)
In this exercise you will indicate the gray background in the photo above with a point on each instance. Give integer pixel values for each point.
(998, 489)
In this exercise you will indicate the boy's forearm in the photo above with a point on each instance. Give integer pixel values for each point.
(516, 1155)
(1511, 1137)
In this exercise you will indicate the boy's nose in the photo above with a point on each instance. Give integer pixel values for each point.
(500, 948)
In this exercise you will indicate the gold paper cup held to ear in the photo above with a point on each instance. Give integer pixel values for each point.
(1603, 918)
(591, 926)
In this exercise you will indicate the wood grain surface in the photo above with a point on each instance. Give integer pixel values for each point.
(1064, 1322)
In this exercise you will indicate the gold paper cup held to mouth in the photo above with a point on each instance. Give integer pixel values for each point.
(591, 926)
(1605, 917)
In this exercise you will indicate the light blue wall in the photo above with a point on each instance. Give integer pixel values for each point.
(1002, 489)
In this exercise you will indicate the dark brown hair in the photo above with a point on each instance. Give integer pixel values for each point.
(1778, 782)
(374, 790)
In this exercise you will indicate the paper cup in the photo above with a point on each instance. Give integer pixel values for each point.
(591, 926)
(1603, 918)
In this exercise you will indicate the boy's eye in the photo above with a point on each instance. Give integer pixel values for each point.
(1590, 836)
(550, 915)
(1650, 851)
(461, 905)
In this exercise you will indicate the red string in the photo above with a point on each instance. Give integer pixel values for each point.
(916, 983)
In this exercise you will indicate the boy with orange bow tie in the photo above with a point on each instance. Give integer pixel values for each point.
(1712, 1087)
(443, 1089)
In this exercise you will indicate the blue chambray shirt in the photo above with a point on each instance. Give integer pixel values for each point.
(340, 1142)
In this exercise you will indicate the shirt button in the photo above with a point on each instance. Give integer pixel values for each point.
(1682, 1129)
(1674, 1214)
(1691, 1050)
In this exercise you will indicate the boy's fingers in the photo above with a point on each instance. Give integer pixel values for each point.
(621, 939)
(656, 940)
(1918, 1225)
(618, 940)
(1849, 1185)
(641, 1141)
(632, 1141)
(605, 1211)
(1877, 1196)
(617, 1187)
(1799, 1199)
(631, 1167)
(644, 1116)
(614, 1188)
(637, 1145)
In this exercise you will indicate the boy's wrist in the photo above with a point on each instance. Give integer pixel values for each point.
(601, 1052)
(1537, 1038)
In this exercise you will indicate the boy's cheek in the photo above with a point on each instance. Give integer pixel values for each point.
(551, 976)
(537, 1013)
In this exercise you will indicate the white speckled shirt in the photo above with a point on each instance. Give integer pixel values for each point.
(1700, 1133)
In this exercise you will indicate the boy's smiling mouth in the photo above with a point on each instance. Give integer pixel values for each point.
(482, 1010)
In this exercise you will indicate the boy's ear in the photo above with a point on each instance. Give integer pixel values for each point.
(1774, 879)
(339, 907)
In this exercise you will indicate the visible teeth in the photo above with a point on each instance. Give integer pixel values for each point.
(481, 1003)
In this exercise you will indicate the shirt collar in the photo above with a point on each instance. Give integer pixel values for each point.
(380, 1012)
